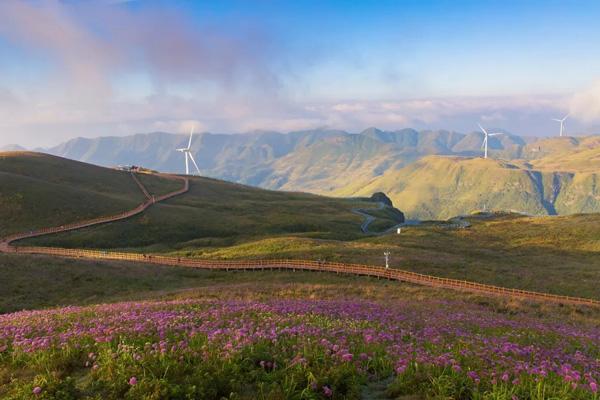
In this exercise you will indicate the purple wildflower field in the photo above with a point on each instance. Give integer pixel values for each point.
(294, 349)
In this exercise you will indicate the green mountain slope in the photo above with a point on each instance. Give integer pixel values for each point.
(443, 187)
(39, 190)
(565, 154)
(541, 176)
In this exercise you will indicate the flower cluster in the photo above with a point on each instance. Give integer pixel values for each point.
(329, 348)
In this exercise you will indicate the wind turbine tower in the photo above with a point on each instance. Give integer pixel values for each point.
(187, 152)
(562, 123)
(486, 135)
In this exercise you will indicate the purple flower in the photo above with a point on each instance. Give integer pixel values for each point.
(37, 390)
(473, 376)
(133, 381)
(327, 392)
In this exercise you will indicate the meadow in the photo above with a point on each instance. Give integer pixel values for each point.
(39, 190)
(295, 348)
(505, 249)
(218, 213)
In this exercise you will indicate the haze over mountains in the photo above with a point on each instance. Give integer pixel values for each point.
(428, 174)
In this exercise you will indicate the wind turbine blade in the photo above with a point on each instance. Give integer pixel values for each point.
(566, 116)
(194, 161)
(190, 142)
(187, 164)
(557, 120)
(483, 130)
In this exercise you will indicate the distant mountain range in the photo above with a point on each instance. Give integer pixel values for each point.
(12, 147)
(427, 174)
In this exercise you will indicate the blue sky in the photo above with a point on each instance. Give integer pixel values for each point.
(88, 68)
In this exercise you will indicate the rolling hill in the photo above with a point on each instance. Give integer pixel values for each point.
(38, 190)
(272, 159)
(222, 220)
(531, 175)
(442, 187)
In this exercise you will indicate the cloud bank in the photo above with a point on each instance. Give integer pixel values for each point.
(109, 69)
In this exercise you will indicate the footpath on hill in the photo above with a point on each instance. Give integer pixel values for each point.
(309, 265)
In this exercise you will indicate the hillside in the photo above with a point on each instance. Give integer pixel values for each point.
(443, 187)
(274, 160)
(39, 190)
(541, 176)
(217, 213)
(568, 154)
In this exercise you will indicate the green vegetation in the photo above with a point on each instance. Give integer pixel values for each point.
(217, 213)
(289, 340)
(159, 186)
(511, 251)
(33, 282)
(39, 190)
(220, 220)
(428, 174)
(438, 187)
(506, 251)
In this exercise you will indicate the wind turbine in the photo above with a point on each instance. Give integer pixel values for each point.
(484, 145)
(562, 123)
(188, 154)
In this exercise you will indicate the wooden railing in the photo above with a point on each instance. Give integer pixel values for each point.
(306, 265)
(5, 242)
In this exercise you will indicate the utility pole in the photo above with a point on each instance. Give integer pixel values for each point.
(387, 259)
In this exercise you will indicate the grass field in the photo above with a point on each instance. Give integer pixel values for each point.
(39, 190)
(287, 336)
(220, 220)
(159, 186)
(558, 255)
(217, 213)
(33, 282)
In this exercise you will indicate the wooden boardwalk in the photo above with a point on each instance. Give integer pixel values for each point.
(300, 265)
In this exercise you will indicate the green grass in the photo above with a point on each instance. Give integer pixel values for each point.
(439, 187)
(220, 220)
(35, 282)
(39, 190)
(552, 254)
(217, 213)
(32, 282)
(159, 186)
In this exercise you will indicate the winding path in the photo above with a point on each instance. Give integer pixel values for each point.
(364, 227)
(308, 265)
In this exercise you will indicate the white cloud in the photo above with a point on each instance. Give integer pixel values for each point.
(218, 78)
(585, 104)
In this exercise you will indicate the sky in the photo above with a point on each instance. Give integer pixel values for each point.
(113, 67)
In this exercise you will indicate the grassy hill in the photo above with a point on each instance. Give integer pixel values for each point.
(221, 220)
(541, 176)
(218, 213)
(39, 190)
(570, 154)
(553, 254)
(442, 187)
